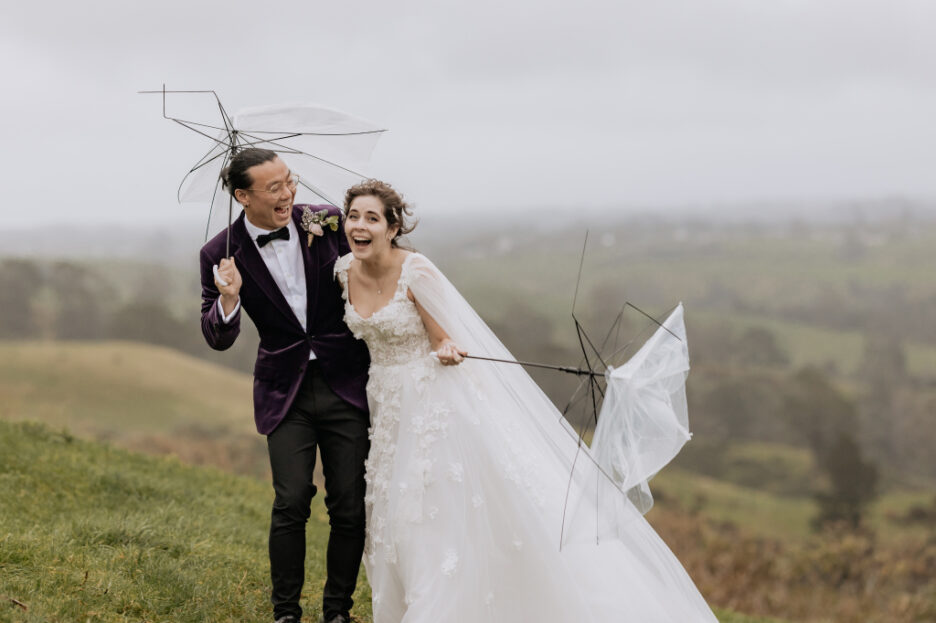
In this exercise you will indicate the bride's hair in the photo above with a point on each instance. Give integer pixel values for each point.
(396, 211)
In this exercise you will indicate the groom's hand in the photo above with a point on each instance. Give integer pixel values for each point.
(230, 292)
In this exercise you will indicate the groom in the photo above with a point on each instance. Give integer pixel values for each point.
(309, 377)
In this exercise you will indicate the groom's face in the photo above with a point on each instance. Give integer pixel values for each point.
(269, 200)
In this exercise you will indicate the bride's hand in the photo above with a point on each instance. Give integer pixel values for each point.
(449, 354)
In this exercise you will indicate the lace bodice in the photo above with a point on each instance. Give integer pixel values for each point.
(395, 333)
(400, 357)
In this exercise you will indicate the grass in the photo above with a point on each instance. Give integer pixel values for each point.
(142, 397)
(87, 387)
(757, 511)
(787, 518)
(93, 533)
(808, 345)
(726, 616)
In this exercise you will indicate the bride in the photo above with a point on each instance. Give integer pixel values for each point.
(476, 511)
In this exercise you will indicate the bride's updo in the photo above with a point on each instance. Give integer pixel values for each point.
(396, 211)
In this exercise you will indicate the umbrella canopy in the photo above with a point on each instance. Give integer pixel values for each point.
(644, 422)
(329, 150)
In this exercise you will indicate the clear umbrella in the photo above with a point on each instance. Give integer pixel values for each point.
(329, 151)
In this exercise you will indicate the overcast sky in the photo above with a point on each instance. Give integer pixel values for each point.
(514, 103)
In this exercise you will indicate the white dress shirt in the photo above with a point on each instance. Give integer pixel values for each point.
(283, 258)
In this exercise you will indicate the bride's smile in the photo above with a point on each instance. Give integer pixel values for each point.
(369, 234)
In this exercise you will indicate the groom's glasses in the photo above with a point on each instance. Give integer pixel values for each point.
(292, 183)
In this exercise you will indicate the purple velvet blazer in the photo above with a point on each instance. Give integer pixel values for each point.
(284, 347)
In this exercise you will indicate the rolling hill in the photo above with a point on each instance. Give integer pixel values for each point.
(139, 396)
(89, 532)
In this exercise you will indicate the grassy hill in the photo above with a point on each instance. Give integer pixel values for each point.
(87, 387)
(786, 518)
(89, 532)
(139, 396)
(88, 520)
(94, 533)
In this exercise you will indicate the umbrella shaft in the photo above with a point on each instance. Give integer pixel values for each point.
(227, 249)
(547, 366)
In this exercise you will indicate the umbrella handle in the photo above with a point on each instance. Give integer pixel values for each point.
(217, 277)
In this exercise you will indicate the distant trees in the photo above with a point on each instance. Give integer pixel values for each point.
(883, 375)
(828, 422)
(150, 322)
(81, 300)
(725, 345)
(853, 482)
(741, 407)
(758, 346)
(20, 283)
(74, 301)
(802, 408)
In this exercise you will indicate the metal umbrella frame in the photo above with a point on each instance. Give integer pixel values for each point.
(594, 368)
(228, 137)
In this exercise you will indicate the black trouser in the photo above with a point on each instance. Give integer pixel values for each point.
(317, 417)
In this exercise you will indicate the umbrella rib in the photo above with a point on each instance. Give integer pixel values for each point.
(644, 330)
(592, 384)
(163, 92)
(357, 133)
(213, 196)
(320, 159)
(201, 163)
(318, 192)
(580, 333)
(208, 136)
(228, 123)
(660, 324)
(206, 160)
(575, 397)
(578, 280)
(584, 334)
(601, 472)
(615, 324)
(202, 125)
(565, 503)
(258, 139)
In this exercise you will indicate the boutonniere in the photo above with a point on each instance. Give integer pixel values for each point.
(315, 222)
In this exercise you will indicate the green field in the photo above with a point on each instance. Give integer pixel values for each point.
(193, 409)
(138, 396)
(770, 274)
(91, 533)
(114, 388)
(772, 516)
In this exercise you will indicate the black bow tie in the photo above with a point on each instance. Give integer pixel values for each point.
(263, 239)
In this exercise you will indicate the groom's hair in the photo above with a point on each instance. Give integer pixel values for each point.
(235, 175)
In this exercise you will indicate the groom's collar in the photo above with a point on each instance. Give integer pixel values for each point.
(253, 231)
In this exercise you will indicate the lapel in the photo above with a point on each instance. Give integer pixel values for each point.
(311, 263)
(248, 259)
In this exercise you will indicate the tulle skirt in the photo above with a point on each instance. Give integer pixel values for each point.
(468, 513)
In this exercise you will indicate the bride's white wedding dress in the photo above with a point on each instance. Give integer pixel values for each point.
(467, 481)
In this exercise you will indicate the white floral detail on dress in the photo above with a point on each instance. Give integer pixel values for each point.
(400, 356)
(450, 562)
